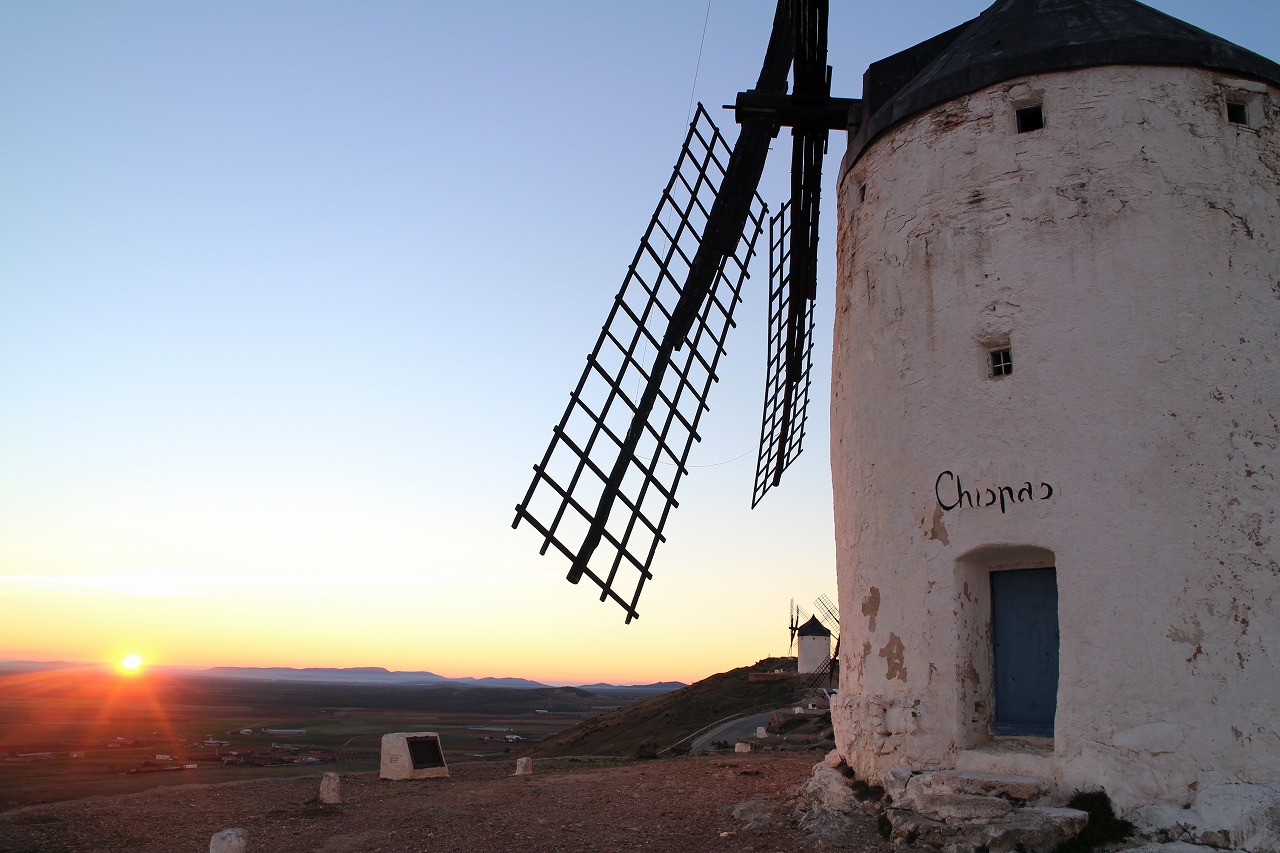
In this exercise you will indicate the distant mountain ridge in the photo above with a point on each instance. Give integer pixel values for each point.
(365, 674)
(38, 665)
(655, 686)
(353, 674)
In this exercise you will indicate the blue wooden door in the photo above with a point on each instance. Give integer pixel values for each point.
(1024, 634)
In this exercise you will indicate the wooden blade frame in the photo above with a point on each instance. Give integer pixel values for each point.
(793, 268)
(786, 390)
(603, 419)
(678, 298)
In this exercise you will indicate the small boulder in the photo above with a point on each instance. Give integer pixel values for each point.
(229, 841)
(828, 788)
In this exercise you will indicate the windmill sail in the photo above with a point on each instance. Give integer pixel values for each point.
(604, 489)
(828, 614)
(602, 493)
(793, 249)
(786, 387)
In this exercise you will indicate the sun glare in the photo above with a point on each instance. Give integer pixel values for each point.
(131, 664)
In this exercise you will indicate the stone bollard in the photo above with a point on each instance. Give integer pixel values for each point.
(761, 731)
(330, 793)
(742, 747)
(229, 841)
(524, 766)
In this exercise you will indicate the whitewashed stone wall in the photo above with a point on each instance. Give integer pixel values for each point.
(1129, 254)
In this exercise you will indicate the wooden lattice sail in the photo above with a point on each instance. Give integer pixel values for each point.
(602, 493)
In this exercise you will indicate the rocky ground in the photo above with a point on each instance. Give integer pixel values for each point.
(726, 801)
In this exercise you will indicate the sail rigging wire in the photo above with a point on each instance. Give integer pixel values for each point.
(697, 68)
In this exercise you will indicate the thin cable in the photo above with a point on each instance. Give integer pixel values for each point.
(693, 90)
(688, 117)
(708, 465)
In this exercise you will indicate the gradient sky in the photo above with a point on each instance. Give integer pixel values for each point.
(292, 293)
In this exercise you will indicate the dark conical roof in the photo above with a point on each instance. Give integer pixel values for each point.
(813, 628)
(1017, 37)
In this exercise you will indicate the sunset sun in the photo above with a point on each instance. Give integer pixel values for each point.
(131, 664)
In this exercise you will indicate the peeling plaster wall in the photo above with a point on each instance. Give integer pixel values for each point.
(1129, 254)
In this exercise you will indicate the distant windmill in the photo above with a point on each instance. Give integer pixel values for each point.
(824, 626)
(603, 490)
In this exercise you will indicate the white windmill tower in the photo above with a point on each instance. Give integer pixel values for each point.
(1055, 419)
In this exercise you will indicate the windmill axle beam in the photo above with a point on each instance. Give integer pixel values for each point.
(816, 113)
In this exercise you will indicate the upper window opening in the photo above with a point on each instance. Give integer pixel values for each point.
(1244, 107)
(1001, 362)
(1030, 118)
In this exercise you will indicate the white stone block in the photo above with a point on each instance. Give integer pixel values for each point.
(229, 841)
(412, 755)
(524, 766)
(961, 807)
(1238, 815)
(895, 781)
(1154, 738)
(742, 747)
(761, 731)
(330, 789)
(1020, 788)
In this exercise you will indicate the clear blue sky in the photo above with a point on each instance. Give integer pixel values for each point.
(291, 294)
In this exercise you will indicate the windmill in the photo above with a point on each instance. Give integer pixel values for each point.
(604, 488)
(830, 616)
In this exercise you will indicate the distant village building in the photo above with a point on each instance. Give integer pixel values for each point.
(1055, 418)
(813, 646)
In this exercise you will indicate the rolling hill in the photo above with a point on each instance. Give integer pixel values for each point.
(663, 720)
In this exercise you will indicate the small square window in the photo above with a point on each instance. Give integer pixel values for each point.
(1030, 118)
(1238, 112)
(1001, 362)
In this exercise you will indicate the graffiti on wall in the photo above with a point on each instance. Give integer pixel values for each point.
(952, 494)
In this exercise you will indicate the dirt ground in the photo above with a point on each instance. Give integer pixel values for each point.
(728, 802)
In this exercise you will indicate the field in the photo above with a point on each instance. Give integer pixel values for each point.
(71, 734)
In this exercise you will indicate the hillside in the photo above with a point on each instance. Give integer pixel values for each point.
(666, 719)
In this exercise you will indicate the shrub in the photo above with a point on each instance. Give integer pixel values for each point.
(647, 750)
(1103, 827)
